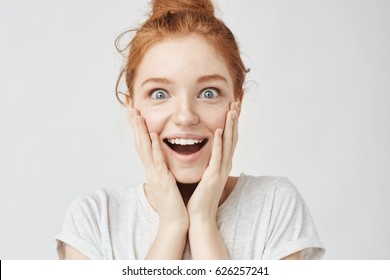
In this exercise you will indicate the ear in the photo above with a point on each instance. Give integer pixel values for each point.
(129, 101)
(130, 107)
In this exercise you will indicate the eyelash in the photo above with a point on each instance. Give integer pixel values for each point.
(215, 90)
(155, 91)
(152, 92)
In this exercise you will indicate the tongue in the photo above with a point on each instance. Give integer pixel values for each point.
(186, 149)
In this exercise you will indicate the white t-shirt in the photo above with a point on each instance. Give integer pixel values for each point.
(263, 218)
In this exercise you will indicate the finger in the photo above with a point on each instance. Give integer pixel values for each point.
(235, 129)
(132, 113)
(228, 156)
(142, 141)
(158, 156)
(228, 132)
(216, 154)
(235, 124)
(234, 143)
(228, 139)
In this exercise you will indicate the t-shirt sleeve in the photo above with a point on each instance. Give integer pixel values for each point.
(291, 227)
(83, 226)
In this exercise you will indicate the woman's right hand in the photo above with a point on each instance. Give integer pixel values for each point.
(162, 193)
(161, 189)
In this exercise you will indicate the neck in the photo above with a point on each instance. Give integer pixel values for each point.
(186, 190)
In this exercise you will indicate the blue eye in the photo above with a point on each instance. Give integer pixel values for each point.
(159, 94)
(209, 93)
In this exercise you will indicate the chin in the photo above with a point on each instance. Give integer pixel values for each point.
(187, 177)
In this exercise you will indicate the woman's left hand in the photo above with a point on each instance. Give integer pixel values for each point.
(204, 201)
(204, 237)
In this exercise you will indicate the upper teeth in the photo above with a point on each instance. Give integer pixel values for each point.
(181, 141)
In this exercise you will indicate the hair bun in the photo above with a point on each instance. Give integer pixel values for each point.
(162, 7)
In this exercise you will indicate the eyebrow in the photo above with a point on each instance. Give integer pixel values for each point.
(156, 80)
(207, 78)
(201, 79)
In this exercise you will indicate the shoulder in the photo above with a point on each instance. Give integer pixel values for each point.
(89, 219)
(269, 181)
(100, 200)
(285, 218)
(275, 186)
(271, 194)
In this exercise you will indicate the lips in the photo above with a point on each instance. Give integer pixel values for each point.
(185, 146)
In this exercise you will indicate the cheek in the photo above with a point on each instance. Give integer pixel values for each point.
(153, 120)
(216, 119)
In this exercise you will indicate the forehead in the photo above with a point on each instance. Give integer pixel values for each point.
(183, 58)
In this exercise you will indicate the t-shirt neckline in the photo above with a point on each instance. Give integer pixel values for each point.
(229, 201)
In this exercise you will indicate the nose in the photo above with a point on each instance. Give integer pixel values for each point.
(185, 113)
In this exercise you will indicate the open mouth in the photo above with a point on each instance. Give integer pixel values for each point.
(185, 146)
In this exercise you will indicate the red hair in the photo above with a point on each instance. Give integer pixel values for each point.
(170, 18)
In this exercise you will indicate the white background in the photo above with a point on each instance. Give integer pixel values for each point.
(316, 111)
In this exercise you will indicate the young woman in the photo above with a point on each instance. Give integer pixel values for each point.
(184, 79)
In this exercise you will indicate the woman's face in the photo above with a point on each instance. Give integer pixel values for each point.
(183, 89)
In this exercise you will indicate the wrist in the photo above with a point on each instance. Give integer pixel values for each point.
(174, 227)
(203, 218)
(169, 242)
(206, 241)
(203, 224)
